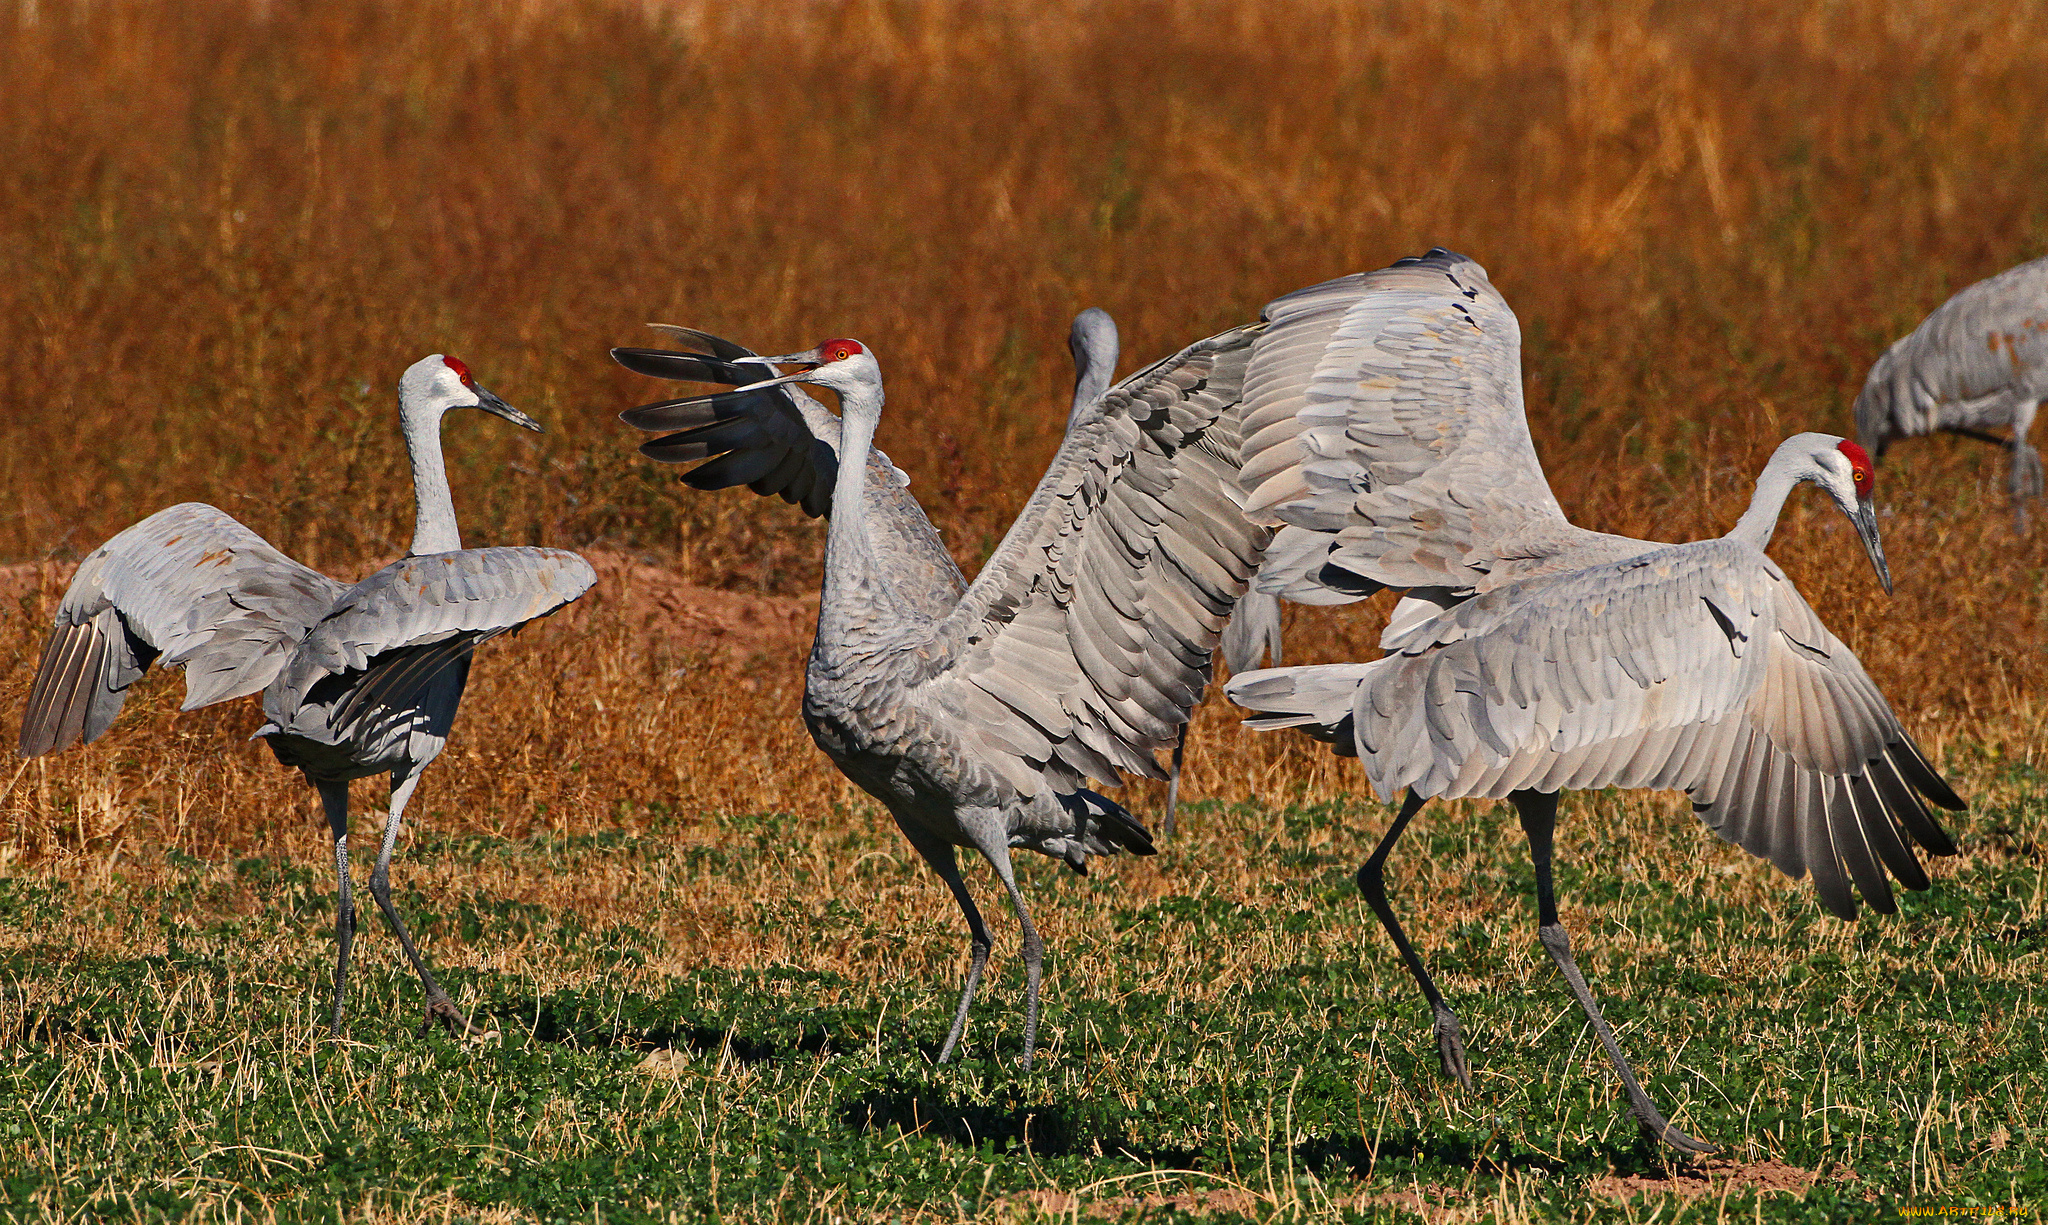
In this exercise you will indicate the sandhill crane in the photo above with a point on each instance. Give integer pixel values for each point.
(1978, 363)
(1076, 653)
(1384, 411)
(357, 680)
(1253, 633)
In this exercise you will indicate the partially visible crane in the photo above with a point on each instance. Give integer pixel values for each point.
(1253, 633)
(1978, 363)
(1530, 655)
(357, 680)
(977, 717)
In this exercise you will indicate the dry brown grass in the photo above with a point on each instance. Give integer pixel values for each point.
(229, 225)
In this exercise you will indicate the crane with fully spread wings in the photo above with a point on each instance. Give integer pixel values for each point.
(1383, 422)
(977, 715)
(1978, 363)
(356, 680)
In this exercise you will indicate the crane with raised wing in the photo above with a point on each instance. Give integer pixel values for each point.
(1529, 656)
(357, 680)
(978, 716)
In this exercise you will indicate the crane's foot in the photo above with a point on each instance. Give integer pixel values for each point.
(1658, 1128)
(1450, 1046)
(442, 1011)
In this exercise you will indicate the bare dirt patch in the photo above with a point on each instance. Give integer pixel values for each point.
(1712, 1178)
(25, 578)
(1432, 1203)
(729, 627)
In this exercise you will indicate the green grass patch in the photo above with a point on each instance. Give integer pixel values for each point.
(1286, 1074)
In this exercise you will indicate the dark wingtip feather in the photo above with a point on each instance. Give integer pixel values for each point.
(62, 693)
(1110, 819)
(687, 367)
(1919, 772)
(717, 346)
(1337, 578)
(674, 449)
(687, 413)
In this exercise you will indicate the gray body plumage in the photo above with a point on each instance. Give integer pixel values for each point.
(979, 717)
(1978, 363)
(1384, 426)
(356, 680)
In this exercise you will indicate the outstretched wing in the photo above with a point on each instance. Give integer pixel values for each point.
(1384, 410)
(401, 626)
(1696, 667)
(780, 441)
(188, 586)
(1087, 637)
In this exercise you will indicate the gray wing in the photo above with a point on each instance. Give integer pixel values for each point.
(404, 624)
(1087, 637)
(1384, 409)
(1969, 365)
(783, 442)
(1696, 667)
(188, 586)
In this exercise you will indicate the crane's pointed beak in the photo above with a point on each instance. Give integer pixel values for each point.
(498, 408)
(1865, 519)
(808, 359)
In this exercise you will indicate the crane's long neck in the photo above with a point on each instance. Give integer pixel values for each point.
(433, 524)
(848, 601)
(1761, 519)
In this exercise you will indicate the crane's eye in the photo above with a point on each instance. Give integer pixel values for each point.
(1861, 471)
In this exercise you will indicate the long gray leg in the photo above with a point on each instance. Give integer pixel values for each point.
(439, 1007)
(2026, 477)
(1450, 1042)
(334, 799)
(1538, 811)
(1180, 749)
(990, 834)
(939, 854)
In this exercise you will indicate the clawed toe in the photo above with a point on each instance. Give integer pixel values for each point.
(1450, 1048)
(1660, 1129)
(442, 1011)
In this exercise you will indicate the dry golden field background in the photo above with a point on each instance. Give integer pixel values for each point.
(229, 225)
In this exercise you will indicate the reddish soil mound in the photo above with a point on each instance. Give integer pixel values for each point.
(1712, 1178)
(726, 626)
(24, 578)
(1433, 1203)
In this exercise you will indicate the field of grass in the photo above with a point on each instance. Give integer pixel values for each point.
(716, 973)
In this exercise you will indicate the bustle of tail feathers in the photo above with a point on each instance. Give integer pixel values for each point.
(1101, 827)
(1316, 701)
